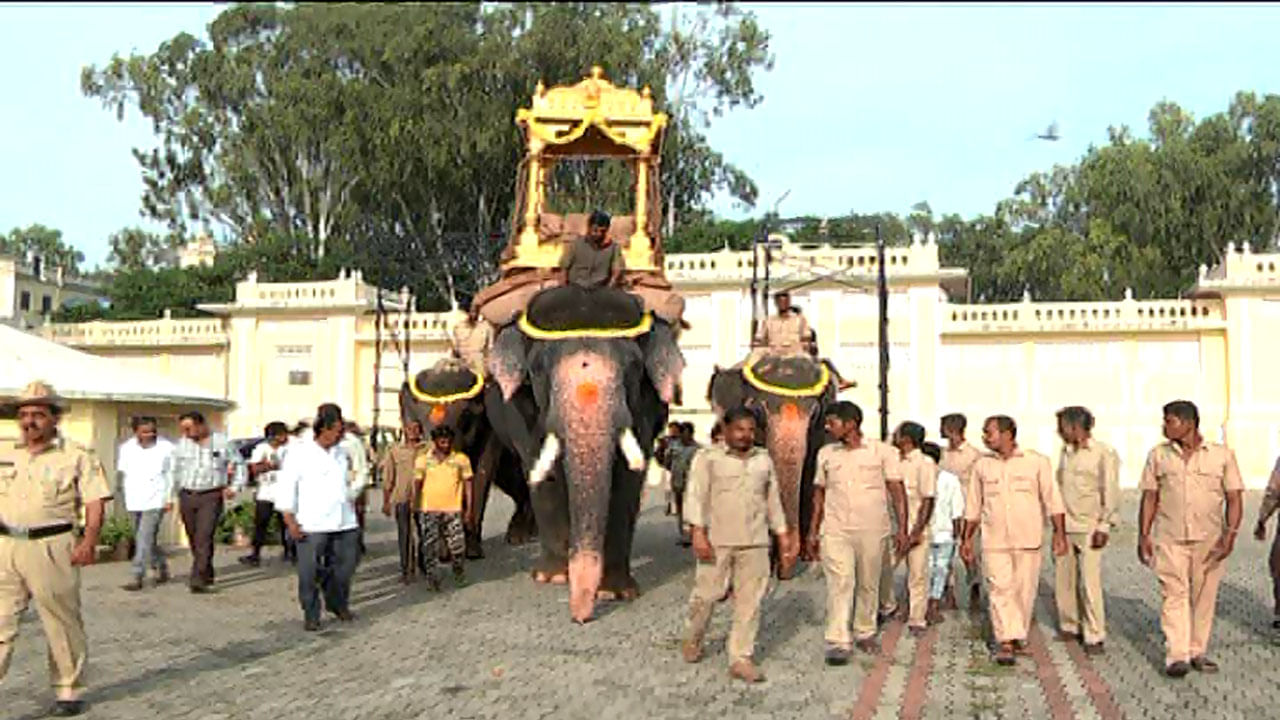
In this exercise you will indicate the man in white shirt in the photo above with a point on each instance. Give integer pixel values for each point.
(140, 463)
(264, 467)
(314, 495)
(948, 513)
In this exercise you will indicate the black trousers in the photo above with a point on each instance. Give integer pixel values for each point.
(200, 514)
(263, 511)
(326, 563)
(404, 536)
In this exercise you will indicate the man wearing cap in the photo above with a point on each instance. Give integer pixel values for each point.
(593, 261)
(44, 481)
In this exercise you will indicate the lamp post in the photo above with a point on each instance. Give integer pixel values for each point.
(882, 294)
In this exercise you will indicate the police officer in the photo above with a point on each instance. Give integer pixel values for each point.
(44, 480)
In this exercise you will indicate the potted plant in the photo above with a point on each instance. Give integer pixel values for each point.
(116, 537)
(236, 526)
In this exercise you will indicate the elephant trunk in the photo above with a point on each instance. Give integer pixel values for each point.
(787, 434)
(588, 391)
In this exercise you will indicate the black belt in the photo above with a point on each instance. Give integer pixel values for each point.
(36, 533)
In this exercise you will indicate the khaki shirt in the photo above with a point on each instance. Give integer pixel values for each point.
(471, 342)
(590, 266)
(784, 334)
(920, 478)
(50, 487)
(856, 480)
(1089, 480)
(735, 498)
(398, 472)
(1012, 498)
(1191, 494)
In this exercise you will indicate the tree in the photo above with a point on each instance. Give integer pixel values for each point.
(44, 242)
(134, 249)
(386, 131)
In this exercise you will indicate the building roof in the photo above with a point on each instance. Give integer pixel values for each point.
(79, 375)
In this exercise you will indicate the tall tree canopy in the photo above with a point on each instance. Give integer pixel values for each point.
(386, 132)
(45, 243)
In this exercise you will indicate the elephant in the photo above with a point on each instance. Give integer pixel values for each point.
(788, 395)
(586, 377)
(453, 395)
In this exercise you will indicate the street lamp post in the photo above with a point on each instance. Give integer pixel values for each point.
(882, 293)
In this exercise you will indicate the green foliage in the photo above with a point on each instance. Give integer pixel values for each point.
(136, 249)
(239, 516)
(115, 530)
(45, 242)
(385, 131)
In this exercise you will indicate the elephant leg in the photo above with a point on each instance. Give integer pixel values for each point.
(550, 500)
(624, 510)
(523, 527)
(481, 480)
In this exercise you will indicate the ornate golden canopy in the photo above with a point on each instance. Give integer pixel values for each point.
(593, 118)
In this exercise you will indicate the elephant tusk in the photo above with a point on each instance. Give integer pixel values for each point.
(631, 450)
(546, 458)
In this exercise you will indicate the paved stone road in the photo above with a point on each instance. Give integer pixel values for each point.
(505, 648)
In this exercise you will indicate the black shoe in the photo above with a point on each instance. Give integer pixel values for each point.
(1204, 665)
(67, 708)
(344, 616)
(1177, 670)
(162, 576)
(201, 589)
(1094, 648)
(133, 586)
(311, 625)
(251, 560)
(836, 656)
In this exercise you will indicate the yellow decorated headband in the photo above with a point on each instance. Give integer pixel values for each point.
(537, 333)
(824, 377)
(467, 394)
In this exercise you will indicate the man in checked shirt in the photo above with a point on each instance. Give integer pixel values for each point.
(203, 471)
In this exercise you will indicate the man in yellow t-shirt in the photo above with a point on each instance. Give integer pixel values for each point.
(443, 489)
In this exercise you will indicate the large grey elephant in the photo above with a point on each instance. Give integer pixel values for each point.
(788, 395)
(587, 377)
(451, 395)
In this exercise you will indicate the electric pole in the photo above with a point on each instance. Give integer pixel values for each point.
(882, 292)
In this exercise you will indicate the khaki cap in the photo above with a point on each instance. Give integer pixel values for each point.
(39, 392)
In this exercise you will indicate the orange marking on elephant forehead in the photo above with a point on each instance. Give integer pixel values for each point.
(790, 411)
(437, 414)
(588, 392)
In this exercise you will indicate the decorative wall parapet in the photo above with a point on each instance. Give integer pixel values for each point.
(165, 332)
(424, 326)
(1071, 317)
(1241, 268)
(348, 290)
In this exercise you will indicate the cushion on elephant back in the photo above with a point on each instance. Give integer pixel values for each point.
(794, 375)
(570, 311)
(446, 382)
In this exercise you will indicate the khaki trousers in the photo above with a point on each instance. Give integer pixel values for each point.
(1012, 577)
(748, 569)
(1190, 589)
(1077, 586)
(917, 582)
(851, 565)
(41, 570)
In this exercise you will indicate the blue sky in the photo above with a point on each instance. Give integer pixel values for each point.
(869, 107)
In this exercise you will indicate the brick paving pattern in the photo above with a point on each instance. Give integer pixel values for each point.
(503, 647)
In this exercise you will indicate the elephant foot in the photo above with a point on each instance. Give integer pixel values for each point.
(622, 588)
(551, 578)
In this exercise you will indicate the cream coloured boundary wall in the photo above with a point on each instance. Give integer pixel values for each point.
(1122, 359)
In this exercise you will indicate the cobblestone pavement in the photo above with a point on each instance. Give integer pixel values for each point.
(503, 647)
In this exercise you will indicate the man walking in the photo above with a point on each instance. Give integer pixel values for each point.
(920, 480)
(682, 451)
(398, 496)
(264, 467)
(1270, 502)
(140, 462)
(855, 479)
(1011, 491)
(1089, 480)
(40, 557)
(732, 505)
(203, 470)
(319, 510)
(1185, 485)
(958, 458)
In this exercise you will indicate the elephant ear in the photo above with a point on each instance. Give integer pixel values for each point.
(508, 361)
(726, 390)
(663, 361)
(410, 408)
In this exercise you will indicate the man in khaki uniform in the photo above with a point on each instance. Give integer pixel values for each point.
(850, 523)
(1089, 480)
(784, 334)
(1185, 484)
(920, 480)
(1010, 493)
(397, 472)
(1270, 502)
(472, 338)
(44, 481)
(732, 503)
(958, 458)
